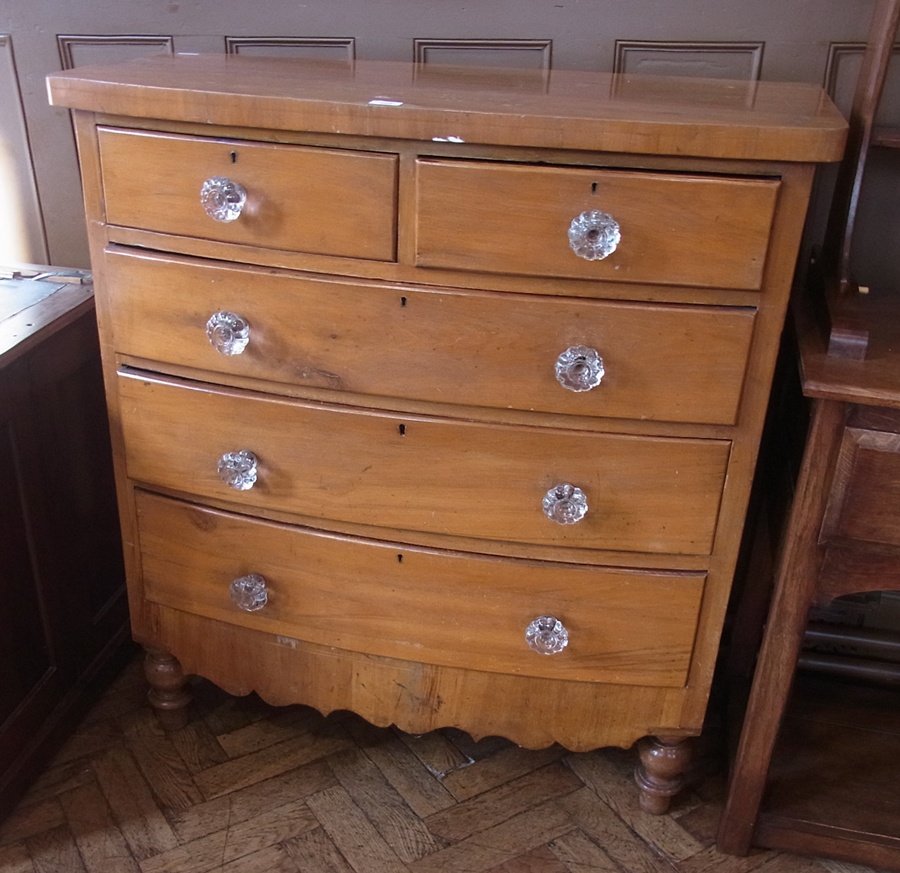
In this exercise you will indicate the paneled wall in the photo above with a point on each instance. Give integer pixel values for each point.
(799, 40)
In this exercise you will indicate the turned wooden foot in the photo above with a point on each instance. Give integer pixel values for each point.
(660, 773)
(168, 693)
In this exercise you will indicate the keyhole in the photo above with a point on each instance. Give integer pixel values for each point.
(593, 187)
(399, 559)
(403, 301)
(234, 157)
(402, 429)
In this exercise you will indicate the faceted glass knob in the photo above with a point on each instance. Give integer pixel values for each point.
(249, 592)
(565, 504)
(238, 470)
(228, 333)
(547, 635)
(222, 198)
(594, 235)
(579, 368)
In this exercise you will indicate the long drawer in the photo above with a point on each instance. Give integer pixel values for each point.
(644, 494)
(323, 201)
(663, 362)
(676, 229)
(383, 599)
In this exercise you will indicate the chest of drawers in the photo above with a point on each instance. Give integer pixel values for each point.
(435, 395)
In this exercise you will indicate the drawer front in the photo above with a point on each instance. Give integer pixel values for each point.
(675, 229)
(322, 201)
(664, 363)
(425, 605)
(865, 496)
(427, 474)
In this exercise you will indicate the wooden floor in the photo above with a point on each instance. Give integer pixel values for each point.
(248, 788)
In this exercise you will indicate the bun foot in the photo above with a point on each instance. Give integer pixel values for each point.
(660, 773)
(168, 694)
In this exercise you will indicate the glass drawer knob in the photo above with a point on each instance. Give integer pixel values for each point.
(222, 198)
(580, 368)
(565, 504)
(238, 469)
(547, 635)
(249, 592)
(594, 235)
(228, 333)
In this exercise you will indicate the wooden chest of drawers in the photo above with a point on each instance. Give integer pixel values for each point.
(437, 397)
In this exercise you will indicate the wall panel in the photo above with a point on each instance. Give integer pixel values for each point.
(713, 60)
(526, 54)
(21, 227)
(80, 50)
(327, 48)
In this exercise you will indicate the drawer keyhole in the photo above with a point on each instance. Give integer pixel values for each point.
(593, 187)
(234, 157)
(402, 429)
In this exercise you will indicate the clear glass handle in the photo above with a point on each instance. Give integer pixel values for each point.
(565, 504)
(249, 592)
(547, 635)
(580, 368)
(222, 198)
(228, 333)
(594, 235)
(238, 470)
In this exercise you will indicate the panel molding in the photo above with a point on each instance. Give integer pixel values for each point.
(681, 57)
(23, 236)
(842, 70)
(513, 52)
(69, 44)
(334, 48)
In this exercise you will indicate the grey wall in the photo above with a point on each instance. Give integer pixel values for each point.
(800, 40)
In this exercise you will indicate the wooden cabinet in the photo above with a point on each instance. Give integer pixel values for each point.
(439, 399)
(61, 577)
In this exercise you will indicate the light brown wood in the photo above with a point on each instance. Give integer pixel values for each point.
(631, 628)
(676, 229)
(399, 472)
(415, 400)
(424, 344)
(577, 110)
(577, 715)
(335, 202)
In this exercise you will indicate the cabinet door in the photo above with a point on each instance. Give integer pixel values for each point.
(62, 604)
(30, 680)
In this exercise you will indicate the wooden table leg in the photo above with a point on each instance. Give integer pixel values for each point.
(795, 589)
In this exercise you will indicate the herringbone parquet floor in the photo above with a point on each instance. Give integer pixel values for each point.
(247, 788)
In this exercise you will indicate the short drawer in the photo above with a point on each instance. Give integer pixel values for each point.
(660, 362)
(864, 503)
(425, 474)
(322, 201)
(431, 606)
(708, 231)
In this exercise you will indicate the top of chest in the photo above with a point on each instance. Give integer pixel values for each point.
(560, 110)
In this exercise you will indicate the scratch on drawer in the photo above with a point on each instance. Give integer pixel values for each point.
(332, 380)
